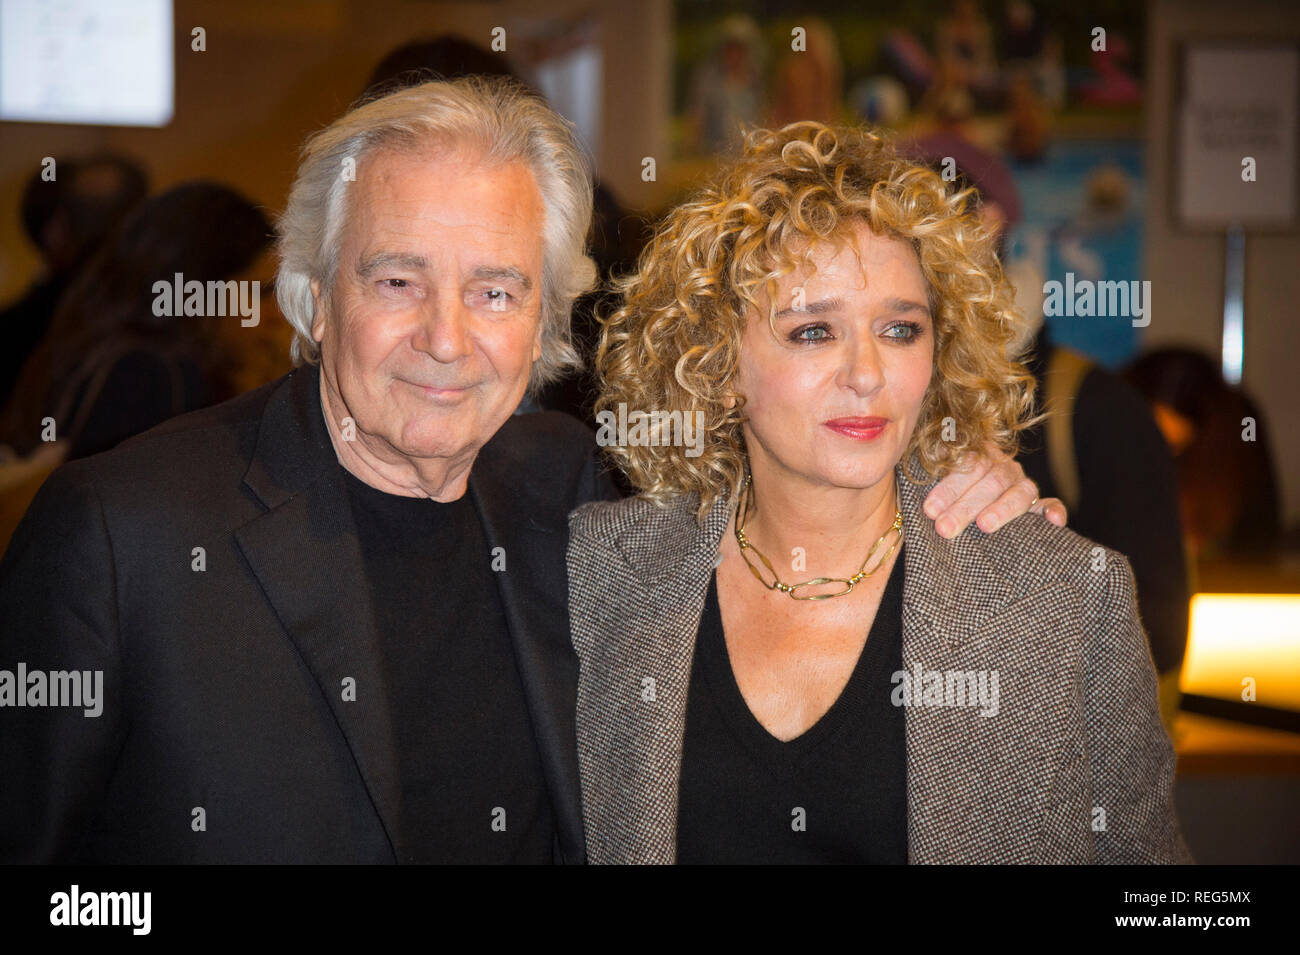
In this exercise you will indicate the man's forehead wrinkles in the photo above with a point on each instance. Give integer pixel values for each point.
(413, 223)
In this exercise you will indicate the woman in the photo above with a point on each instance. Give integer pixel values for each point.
(781, 659)
(111, 366)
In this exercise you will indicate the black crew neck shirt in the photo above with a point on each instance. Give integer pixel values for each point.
(836, 794)
(472, 789)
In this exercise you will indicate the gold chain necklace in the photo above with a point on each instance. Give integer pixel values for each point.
(746, 500)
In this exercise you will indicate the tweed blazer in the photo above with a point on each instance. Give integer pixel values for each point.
(1074, 767)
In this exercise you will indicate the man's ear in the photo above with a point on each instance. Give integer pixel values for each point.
(537, 344)
(318, 313)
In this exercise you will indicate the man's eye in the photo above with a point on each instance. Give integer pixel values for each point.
(811, 333)
(498, 299)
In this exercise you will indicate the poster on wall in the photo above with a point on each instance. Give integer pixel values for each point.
(1040, 108)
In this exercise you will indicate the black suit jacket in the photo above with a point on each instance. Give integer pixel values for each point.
(224, 686)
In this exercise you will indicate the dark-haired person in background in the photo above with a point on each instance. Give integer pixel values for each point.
(1229, 493)
(66, 218)
(109, 367)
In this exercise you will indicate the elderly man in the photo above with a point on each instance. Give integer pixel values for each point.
(329, 615)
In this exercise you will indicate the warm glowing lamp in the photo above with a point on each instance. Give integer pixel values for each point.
(1241, 642)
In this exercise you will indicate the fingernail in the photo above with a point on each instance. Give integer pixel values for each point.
(945, 527)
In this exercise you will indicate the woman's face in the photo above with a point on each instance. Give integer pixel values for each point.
(832, 399)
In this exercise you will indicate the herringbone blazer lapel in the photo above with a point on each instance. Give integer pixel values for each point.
(647, 594)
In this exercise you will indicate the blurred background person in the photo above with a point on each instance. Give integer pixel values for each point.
(66, 218)
(948, 100)
(964, 49)
(445, 56)
(1028, 123)
(1228, 492)
(1028, 50)
(809, 82)
(110, 368)
(727, 88)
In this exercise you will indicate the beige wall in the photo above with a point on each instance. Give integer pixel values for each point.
(1187, 270)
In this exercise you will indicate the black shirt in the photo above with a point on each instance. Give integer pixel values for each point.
(836, 794)
(471, 778)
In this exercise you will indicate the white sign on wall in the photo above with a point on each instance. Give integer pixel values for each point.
(86, 61)
(1237, 158)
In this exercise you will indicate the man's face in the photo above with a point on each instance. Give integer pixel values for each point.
(434, 321)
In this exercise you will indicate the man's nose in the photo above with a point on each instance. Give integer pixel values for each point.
(444, 331)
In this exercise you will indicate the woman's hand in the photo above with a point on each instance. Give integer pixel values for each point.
(991, 489)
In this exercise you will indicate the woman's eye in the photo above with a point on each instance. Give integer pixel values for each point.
(393, 283)
(909, 331)
(811, 333)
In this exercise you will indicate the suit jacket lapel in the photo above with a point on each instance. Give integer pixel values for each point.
(305, 554)
(532, 535)
(632, 693)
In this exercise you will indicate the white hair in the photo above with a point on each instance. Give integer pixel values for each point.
(497, 117)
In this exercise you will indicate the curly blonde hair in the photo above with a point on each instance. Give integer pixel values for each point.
(673, 344)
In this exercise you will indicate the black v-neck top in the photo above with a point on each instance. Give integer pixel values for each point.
(836, 794)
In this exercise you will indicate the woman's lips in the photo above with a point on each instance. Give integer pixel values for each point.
(860, 429)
